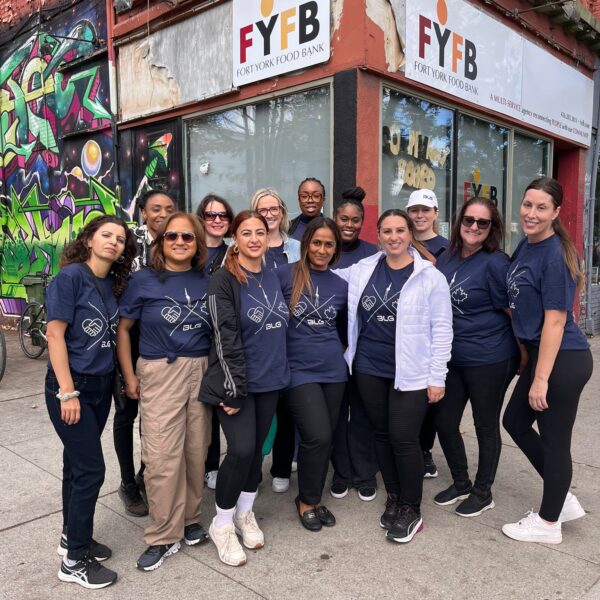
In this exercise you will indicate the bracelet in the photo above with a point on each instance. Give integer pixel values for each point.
(67, 396)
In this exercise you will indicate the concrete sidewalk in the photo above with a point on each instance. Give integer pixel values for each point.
(454, 558)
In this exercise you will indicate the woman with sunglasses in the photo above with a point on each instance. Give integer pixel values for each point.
(82, 314)
(543, 280)
(169, 302)
(484, 353)
(318, 306)
(216, 214)
(311, 196)
(247, 369)
(399, 340)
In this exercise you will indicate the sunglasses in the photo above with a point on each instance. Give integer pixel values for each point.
(274, 210)
(186, 236)
(481, 223)
(211, 215)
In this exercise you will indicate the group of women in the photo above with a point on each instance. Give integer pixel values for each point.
(322, 325)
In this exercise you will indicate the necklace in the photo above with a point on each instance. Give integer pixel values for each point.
(259, 282)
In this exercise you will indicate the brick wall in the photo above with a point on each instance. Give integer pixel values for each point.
(14, 12)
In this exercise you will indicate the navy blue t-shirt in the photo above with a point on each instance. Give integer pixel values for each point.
(275, 257)
(72, 297)
(538, 279)
(482, 330)
(315, 352)
(264, 321)
(436, 245)
(377, 312)
(213, 262)
(302, 223)
(357, 251)
(172, 313)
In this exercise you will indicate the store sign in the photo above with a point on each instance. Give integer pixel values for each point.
(452, 46)
(271, 37)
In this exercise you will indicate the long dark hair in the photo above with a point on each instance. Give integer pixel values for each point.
(494, 238)
(232, 261)
(301, 269)
(158, 250)
(551, 187)
(78, 251)
(396, 212)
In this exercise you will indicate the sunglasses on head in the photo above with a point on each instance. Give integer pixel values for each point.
(211, 215)
(186, 236)
(481, 223)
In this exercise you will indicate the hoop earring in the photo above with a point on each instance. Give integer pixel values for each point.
(235, 250)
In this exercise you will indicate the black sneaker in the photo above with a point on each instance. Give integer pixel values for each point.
(88, 573)
(132, 499)
(100, 552)
(451, 495)
(141, 485)
(338, 490)
(367, 493)
(391, 511)
(154, 556)
(430, 468)
(406, 526)
(473, 506)
(194, 534)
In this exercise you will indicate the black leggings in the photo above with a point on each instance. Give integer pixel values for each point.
(396, 418)
(284, 444)
(315, 408)
(214, 449)
(245, 433)
(126, 411)
(549, 451)
(485, 387)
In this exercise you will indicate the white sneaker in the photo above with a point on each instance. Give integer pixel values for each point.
(247, 527)
(294, 466)
(280, 484)
(228, 546)
(571, 509)
(533, 529)
(211, 479)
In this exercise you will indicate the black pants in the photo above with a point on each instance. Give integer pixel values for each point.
(315, 408)
(284, 444)
(353, 457)
(396, 419)
(485, 387)
(126, 411)
(427, 434)
(214, 450)
(83, 461)
(549, 451)
(245, 433)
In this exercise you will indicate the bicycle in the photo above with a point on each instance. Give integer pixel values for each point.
(32, 324)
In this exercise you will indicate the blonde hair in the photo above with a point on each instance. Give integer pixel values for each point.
(261, 193)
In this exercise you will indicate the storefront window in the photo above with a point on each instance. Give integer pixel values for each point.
(596, 241)
(530, 160)
(276, 143)
(417, 143)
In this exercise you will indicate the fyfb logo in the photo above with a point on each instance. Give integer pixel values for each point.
(450, 46)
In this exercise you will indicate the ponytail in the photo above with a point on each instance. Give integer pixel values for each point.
(232, 264)
(570, 253)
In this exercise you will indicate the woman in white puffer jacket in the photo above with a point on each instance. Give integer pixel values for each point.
(399, 341)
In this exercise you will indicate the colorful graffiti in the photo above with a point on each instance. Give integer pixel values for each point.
(56, 146)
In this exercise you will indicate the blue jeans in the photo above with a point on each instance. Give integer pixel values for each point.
(83, 462)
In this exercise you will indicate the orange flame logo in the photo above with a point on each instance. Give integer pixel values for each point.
(266, 7)
(442, 11)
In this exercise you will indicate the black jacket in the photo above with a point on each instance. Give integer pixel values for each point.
(225, 377)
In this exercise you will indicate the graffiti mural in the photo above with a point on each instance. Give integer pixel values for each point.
(56, 147)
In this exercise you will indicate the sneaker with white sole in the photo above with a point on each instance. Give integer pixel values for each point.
(99, 551)
(211, 479)
(87, 573)
(246, 526)
(407, 524)
(194, 534)
(280, 484)
(533, 529)
(338, 489)
(154, 556)
(571, 509)
(228, 546)
(367, 493)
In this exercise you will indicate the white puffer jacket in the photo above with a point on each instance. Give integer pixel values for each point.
(423, 322)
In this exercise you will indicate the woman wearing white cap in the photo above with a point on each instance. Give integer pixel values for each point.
(422, 208)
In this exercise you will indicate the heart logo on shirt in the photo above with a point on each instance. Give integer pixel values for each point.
(368, 302)
(92, 326)
(171, 313)
(330, 312)
(256, 314)
(283, 308)
(299, 308)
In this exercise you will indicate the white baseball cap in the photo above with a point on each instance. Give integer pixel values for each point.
(422, 198)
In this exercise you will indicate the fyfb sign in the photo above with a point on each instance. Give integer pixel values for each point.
(271, 37)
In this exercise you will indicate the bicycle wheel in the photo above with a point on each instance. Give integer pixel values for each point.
(2, 354)
(31, 331)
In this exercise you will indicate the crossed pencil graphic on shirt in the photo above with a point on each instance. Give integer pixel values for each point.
(172, 313)
(328, 314)
(95, 326)
(257, 313)
(368, 302)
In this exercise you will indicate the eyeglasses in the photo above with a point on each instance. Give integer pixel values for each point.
(314, 195)
(211, 215)
(274, 210)
(481, 223)
(186, 236)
